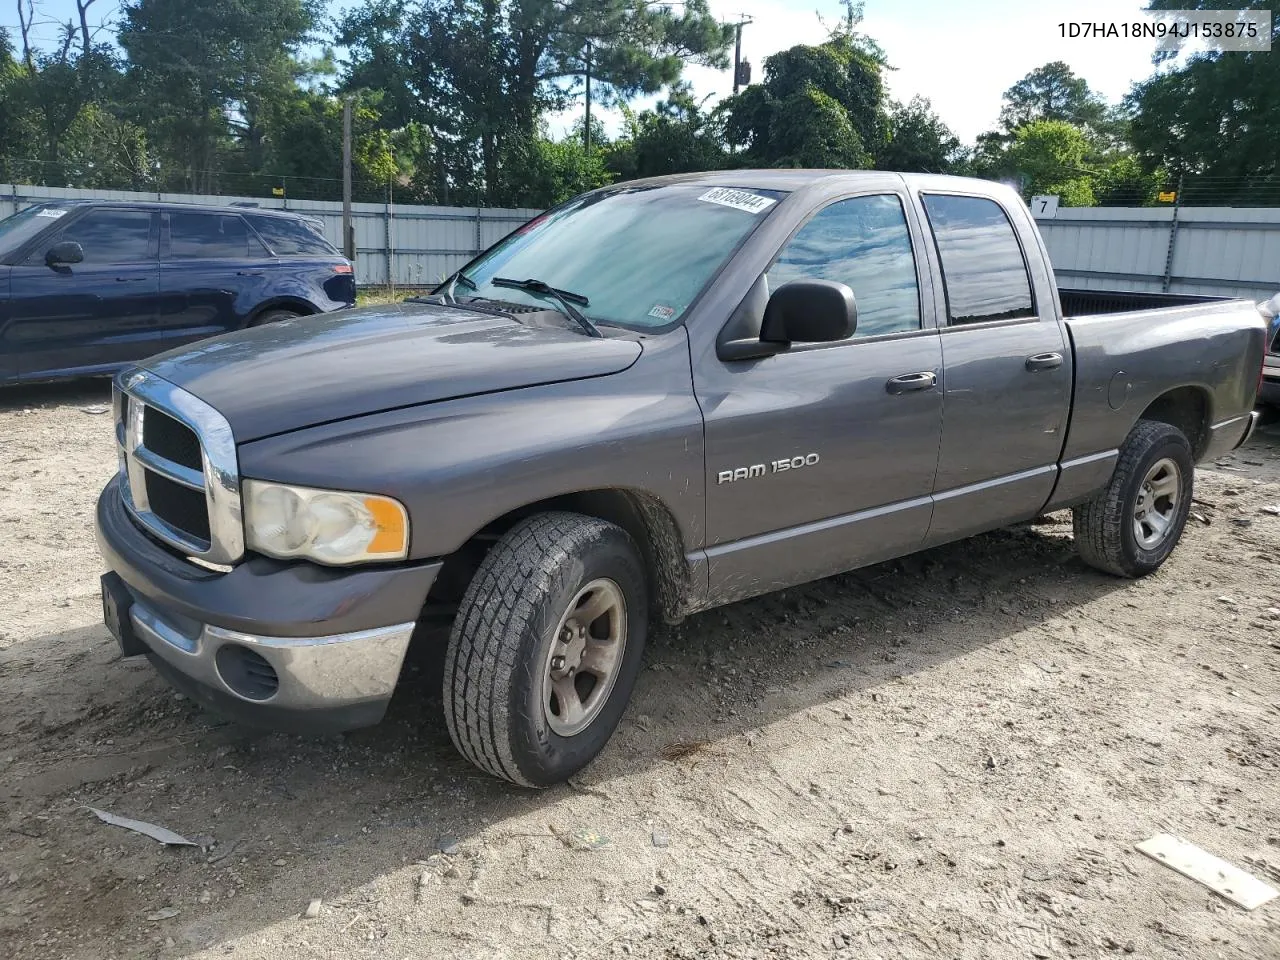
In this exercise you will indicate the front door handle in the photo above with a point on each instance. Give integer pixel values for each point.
(1044, 361)
(130, 279)
(910, 382)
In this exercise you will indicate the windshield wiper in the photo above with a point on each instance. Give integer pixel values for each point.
(453, 281)
(566, 299)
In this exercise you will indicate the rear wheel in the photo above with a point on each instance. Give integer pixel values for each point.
(545, 648)
(1131, 527)
(273, 316)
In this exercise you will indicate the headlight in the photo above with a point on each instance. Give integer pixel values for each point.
(327, 526)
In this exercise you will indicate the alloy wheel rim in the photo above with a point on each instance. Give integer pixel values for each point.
(1156, 508)
(585, 656)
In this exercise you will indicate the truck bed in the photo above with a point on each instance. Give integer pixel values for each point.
(1084, 302)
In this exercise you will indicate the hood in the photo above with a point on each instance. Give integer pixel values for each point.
(311, 370)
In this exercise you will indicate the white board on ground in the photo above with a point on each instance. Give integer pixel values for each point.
(1224, 879)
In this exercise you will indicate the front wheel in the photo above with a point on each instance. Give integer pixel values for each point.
(1133, 525)
(545, 648)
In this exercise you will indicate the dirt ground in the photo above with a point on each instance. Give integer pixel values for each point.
(948, 756)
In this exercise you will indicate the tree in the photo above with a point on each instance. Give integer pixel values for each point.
(205, 71)
(676, 136)
(1214, 118)
(819, 106)
(1051, 92)
(1050, 154)
(917, 140)
(480, 73)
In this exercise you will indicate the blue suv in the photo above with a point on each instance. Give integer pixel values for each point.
(88, 287)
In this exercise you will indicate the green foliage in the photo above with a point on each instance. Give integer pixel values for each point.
(1051, 92)
(550, 172)
(820, 106)
(480, 73)
(675, 137)
(916, 140)
(1213, 119)
(1058, 137)
(1049, 152)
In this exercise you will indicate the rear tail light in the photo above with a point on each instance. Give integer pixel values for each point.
(343, 268)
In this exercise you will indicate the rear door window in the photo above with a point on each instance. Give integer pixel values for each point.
(111, 236)
(209, 236)
(982, 264)
(288, 237)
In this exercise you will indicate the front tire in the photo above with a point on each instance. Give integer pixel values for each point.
(545, 648)
(1133, 525)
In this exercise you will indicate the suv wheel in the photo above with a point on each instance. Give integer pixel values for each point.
(1131, 527)
(545, 648)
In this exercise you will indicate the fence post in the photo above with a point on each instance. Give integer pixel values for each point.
(386, 242)
(479, 234)
(1173, 237)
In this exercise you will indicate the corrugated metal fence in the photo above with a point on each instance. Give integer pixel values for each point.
(413, 246)
(1203, 251)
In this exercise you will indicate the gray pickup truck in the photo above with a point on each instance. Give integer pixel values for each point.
(659, 397)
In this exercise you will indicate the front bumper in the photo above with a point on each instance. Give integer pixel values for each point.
(332, 640)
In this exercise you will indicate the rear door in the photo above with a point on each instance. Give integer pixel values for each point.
(1007, 371)
(93, 316)
(213, 271)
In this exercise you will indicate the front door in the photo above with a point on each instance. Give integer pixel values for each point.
(1008, 374)
(822, 458)
(88, 317)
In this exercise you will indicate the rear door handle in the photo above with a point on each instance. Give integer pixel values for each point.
(910, 382)
(1044, 361)
(130, 279)
(248, 273)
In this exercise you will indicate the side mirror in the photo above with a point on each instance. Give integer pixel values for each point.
(809, 311)
(64, 254)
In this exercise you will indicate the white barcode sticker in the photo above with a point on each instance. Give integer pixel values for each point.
(51, 214)
(738, 199)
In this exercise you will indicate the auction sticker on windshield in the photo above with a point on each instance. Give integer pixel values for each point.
(738, 199)
(51, 214)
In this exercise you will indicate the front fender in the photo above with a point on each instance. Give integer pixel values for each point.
(458, 465)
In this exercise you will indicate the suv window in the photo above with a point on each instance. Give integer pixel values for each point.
(289, 237)
(982, 265)
(111, 236)
(209, 236)
(864, 243)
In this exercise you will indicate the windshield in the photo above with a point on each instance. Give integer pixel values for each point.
(22, 226)
(640, 255)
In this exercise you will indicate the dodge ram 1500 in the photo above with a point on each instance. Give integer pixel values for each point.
(658, 397)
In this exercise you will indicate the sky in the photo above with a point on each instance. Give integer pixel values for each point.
(960, 54)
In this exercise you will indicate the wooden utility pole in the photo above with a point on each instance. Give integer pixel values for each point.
(348, 231)
(743, 20)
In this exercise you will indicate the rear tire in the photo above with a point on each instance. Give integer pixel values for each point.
(1131, 527)
(535, 679)
(273, 316)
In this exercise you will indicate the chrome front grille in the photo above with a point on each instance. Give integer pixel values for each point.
(178, 463)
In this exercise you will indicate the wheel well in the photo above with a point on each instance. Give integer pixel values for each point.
(1186, 408)
(643, 516)
(282, 303)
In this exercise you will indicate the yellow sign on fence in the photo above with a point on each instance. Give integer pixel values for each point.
(1169, 197)
(279, 192)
